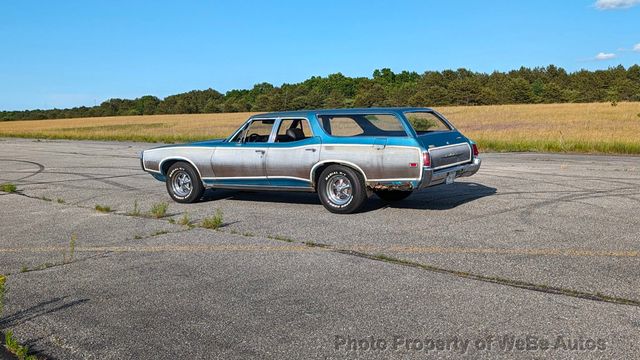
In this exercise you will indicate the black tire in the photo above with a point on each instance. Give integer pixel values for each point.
(392, 195)
(179, 173)
(334, 193)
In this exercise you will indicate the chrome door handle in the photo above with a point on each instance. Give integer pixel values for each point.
(260, 151)
(310, 149)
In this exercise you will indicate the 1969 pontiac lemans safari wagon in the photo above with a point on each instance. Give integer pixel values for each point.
(344, 155)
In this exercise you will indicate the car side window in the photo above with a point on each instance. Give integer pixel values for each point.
(293, 130)
(341, 126)
(258, 131)
(363, 125)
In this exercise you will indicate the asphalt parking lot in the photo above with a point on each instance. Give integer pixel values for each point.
(539, 247)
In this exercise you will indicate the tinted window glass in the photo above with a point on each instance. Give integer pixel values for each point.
(362, 125)
(293, 130)
(424, 122)
(341, 126)
(385, 122)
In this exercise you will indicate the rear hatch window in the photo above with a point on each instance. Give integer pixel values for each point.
(424, 122)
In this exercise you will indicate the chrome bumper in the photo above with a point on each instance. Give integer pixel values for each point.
(436, 177)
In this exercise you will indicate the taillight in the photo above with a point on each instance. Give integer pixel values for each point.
(475, 149)
(426, 159)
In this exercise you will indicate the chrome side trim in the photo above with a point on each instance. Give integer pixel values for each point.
(371, 145)
(448, 146)
(399, 179)
(254, 177)
(261, 187)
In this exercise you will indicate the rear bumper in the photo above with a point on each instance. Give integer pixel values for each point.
(437, 177)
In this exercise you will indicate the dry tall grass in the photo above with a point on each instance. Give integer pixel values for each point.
(597, 127)
(150, 128)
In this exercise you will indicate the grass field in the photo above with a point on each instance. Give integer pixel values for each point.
(585, 128)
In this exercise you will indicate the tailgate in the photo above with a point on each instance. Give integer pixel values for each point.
(450, 155)
(446, 148)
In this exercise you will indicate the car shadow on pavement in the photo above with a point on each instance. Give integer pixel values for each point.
(262, 196)
(442, 197)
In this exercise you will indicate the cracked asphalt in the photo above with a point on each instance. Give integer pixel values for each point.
(140, 287)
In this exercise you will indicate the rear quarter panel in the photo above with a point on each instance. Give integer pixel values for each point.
(392, 161)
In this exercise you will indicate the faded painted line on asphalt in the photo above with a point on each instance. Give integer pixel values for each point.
(167, 248)
(363, 248)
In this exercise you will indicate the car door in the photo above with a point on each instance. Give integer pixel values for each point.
(241, 161)
(293, 154)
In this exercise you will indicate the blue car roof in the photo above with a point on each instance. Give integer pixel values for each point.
(307, 113)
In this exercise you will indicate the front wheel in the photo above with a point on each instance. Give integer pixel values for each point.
(392, 195)
(341, 189)
(183, 183)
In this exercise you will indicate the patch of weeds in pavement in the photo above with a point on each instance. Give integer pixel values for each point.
(8, 187)
(70, 257)
(159, 210)
(137, 237)
(279, 238)
(14, 347)
(72, 247)
(45, 198)
(213, 222)
(103, 208)
(246, 233)
(43, 266)
(136, 209)
(384, 257)
(172, 221)
(60, 201)
(315, 244)
(185, 220)
(159, 232)
(10, 343)
(3, 282)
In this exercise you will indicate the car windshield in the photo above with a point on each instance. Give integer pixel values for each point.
(362, 125)
(426, 122)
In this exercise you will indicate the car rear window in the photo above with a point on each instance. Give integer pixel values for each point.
(426, 122)
(362, 125)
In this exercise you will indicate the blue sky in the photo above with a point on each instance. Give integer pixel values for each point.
(71, 53)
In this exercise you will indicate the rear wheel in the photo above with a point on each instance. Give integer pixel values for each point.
(183, 183)
(392, 195)
(341, 189)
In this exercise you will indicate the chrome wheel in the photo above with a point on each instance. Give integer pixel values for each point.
(339, 190)
(181, 183)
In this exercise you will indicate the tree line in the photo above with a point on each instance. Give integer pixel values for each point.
(549, 84)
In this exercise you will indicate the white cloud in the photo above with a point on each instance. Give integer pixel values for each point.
(605, 56)
(615, 4)
(636, 48)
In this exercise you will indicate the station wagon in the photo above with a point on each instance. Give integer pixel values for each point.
(344, 155)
